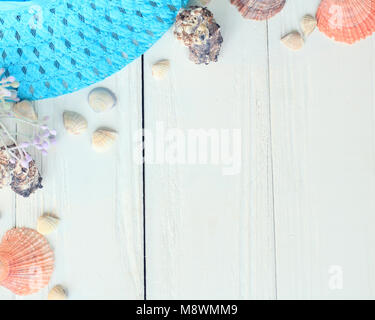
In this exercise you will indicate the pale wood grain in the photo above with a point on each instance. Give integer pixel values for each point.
(98, 245)
(7, 215)
(209, 235)
(301, 204)
(323, 155)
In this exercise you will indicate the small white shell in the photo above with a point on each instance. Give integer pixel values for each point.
(47, 224)
(101, 99)
(293, 40)
(103, 139)
(205, 2)
(57, 293)
(25, 109)
(74, 122)
(160, 69)
(308, 24)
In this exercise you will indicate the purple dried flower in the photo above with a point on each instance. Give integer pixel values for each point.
(24, 145)
(42, 141)
(28, 157)
(52, 140)
(36, 140)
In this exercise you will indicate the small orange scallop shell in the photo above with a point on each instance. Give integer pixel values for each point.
(26, 261)
(258, 9)
(346, 20)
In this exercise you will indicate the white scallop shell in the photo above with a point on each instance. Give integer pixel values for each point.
(101, 99)
(57, 293)
(47, 224)
(25, 109)
(293, 40)
(308, 24)
(74, 122)
(103, 139)
(160, 69)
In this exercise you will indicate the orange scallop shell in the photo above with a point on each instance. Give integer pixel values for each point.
(258, 9)
(26, 261)
(346, 20)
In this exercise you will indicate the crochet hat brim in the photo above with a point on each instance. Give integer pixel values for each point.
(54, 47)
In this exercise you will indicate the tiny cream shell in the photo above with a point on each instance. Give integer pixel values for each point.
(101, 99)
(74, 122)
(57, 293)
(205, 2)
(47, 224)
(308, 24)
(103, 139)
(25, 109)
(293, 40)
(160, 69)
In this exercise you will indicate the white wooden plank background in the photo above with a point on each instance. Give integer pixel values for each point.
(297, 217)
(323, 154)
(211, 235)
(99, 244)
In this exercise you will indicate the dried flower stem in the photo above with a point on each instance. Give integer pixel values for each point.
(41, 141)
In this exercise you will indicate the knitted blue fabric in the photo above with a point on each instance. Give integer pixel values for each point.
(55, 47)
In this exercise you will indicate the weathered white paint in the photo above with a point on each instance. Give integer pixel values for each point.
(298, 214)
(99, 243)
(210, 235)
(323, 155)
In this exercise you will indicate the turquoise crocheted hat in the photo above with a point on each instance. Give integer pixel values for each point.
(54, 47)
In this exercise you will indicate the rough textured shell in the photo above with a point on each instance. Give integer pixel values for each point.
(74, 122)
(160, 69)
(25, 182)
(197, 29)
(26, 261)
(103, 139)
(25, 109)
(293, 40)
(22, 181)
(101, 99)
(57, 293)
(259, 9)
(47, 223)
(308, 25)
(346, 20)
